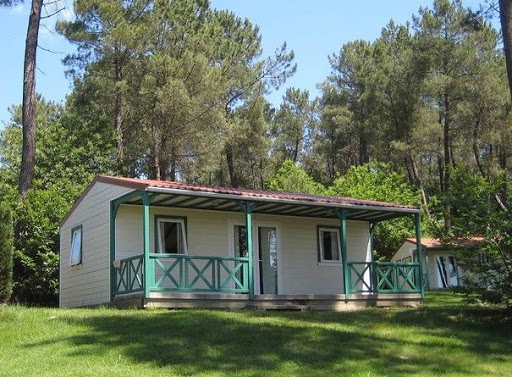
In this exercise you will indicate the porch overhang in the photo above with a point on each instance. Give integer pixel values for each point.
(177, 198)
(146, 194)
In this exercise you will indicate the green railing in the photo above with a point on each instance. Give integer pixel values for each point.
(187, 273)
(130, 275)
(383, 277)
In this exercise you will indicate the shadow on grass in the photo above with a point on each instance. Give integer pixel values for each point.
(397, 342)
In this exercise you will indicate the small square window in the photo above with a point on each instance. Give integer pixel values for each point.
(328, 244)
(75, 255)
(484, 257)
(171, 237)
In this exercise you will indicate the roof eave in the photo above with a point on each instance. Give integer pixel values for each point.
(163, 190)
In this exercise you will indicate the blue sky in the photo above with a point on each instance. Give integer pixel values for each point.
(313, 29)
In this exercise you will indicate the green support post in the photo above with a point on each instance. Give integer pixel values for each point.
(372, 257)
(427, 274)
(148, 273)
(113, 211)
(114, 207)
(248, 207)
(342, 215)
(419, 252)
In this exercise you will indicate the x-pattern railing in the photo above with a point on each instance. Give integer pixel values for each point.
(407, 278)
(130, 275)
(360, 270)
(240, 281)
(168, 273)
(175, 272)
(383, 277)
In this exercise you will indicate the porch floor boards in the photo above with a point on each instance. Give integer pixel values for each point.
(264, 302)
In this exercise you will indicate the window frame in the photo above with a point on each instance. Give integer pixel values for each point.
(171, 219)
(80, 250)
(321, 255)
(235, 234)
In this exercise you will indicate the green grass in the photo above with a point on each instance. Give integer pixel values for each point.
(446, 337)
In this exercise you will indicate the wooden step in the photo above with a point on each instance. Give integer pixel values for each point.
(283, 307)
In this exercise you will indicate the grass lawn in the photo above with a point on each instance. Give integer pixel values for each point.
(446, 337)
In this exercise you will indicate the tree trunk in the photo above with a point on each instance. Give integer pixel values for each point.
(476, 149)
(118, 110)
(506, 30)
(231, 166)
(173, 165)
(447, 162)
(29, 100)
(363, 150)
(419, 185)
(296, 151)
(155, 154)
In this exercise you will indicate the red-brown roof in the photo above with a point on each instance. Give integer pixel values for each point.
(292, 203)
(430, 242)
(147, 184)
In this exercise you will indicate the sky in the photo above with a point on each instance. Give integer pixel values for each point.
(313, 29)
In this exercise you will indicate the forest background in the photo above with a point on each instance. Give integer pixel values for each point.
(178, 90)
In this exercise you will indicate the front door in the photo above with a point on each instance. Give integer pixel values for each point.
(267, 259)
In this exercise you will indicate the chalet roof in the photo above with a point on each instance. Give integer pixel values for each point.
(148, 185)
(187, 195)
(436, 243)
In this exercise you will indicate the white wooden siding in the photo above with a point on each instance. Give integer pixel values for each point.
(429, 262)
(208, 233)
(89, 282)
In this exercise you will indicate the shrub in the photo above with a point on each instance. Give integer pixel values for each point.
(36, 243)
(6, 253)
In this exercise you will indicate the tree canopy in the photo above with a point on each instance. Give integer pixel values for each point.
(177, 90)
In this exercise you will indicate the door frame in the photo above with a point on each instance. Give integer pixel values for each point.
(256, 247)
(256, 251)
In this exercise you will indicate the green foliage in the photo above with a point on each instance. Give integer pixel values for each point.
(292, 178)
(375, 181)
(472, 197)
(477, 212)
(67, 158)
(489, 268)
(67, 155)
(173, 82)
(378, 181)
(10, 3)
(6, 253)
(175, 89)
(36, 244)
(247, 144)
(293, 126)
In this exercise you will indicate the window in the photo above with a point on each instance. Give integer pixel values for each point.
(171, 236)
(240, 241)
(484, 257)
(452, 266)
(328, 244)
(75, 255)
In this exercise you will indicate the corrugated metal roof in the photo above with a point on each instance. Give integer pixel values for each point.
(147, 184)
(187, 195)
(430, 242)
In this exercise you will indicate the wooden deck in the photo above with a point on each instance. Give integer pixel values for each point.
(265, 302)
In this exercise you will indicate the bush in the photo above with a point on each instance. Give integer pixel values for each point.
(36, 243)
(6, 253)
(378, 181)
(292, 178)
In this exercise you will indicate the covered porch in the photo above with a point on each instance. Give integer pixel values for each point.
(178, 280)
